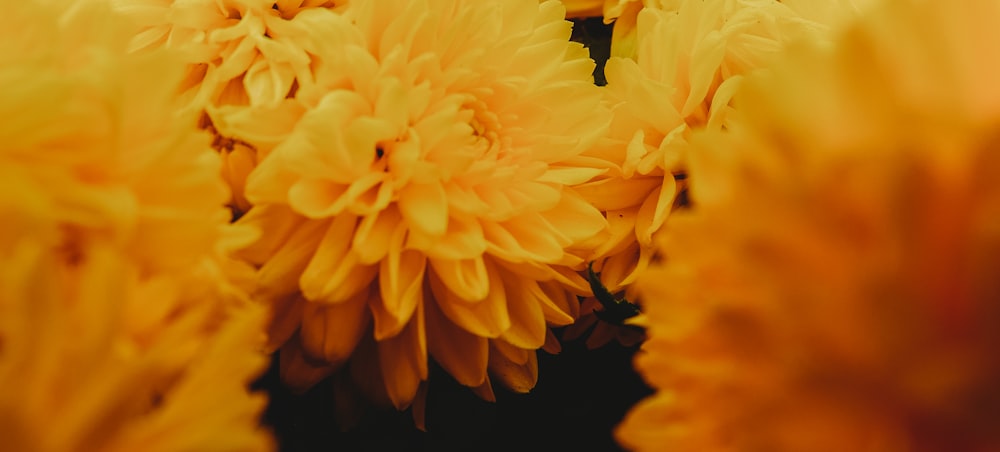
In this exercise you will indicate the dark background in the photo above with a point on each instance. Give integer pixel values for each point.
(580, 397)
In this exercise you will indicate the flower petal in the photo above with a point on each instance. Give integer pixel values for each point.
(464, 355)
(425, 208)
(403, 360)
(330, 332)
(468, 279)
(401, 287)
(334, 274)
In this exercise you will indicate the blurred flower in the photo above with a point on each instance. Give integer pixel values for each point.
(423, 204)
(79, 373)
(834, 286)
(119, 308)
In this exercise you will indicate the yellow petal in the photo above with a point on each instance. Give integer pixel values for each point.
(334, 274)
(463, 240)
(279, 276)
(617, 193)
(425, 208)
(487, 317)
(654, 211)
(376, 233)
(575, 218)
(467, 279)
(401, 287)
(267, 83)
(524, 238)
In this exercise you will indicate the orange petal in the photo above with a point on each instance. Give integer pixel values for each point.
(519, 378)
(376, 233)
(279, 277)
(403, 360)
(618, 193)
(286, 316)
(552, 345)
(330, 332)
(401, 287)
(467, 279)
(575, 218)
(334, 274)
(527, 325)
(654, 211)
(279, 222)
(486, 318)
(485, 391)
(463, 240)
(462, 354)
(297, 372)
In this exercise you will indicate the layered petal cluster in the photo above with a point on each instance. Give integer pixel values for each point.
(689, 59)
(834, 286)
(242, 60)
(237, 52)
(423, 204)
(117, 325)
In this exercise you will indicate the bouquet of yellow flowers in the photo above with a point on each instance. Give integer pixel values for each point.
(787, 212)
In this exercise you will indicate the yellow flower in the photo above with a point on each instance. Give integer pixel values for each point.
(77, 373)
(122, 320)
(425, 200)
(691, 57)
(833, 287)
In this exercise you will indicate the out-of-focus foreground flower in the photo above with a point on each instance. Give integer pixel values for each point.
(834, 286)
(118, 330)
(420, 202)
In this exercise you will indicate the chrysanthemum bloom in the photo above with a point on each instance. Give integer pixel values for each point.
(834, 286)
(690, 58)
(424, 200)
(117, 327)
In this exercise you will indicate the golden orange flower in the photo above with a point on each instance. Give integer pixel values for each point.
(691, 57)
(834, 286)
(424, 201)
(121, 317)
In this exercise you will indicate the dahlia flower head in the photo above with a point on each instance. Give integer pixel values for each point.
(416, 194)
(834, 285)
(688, 59)
(118, 329)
